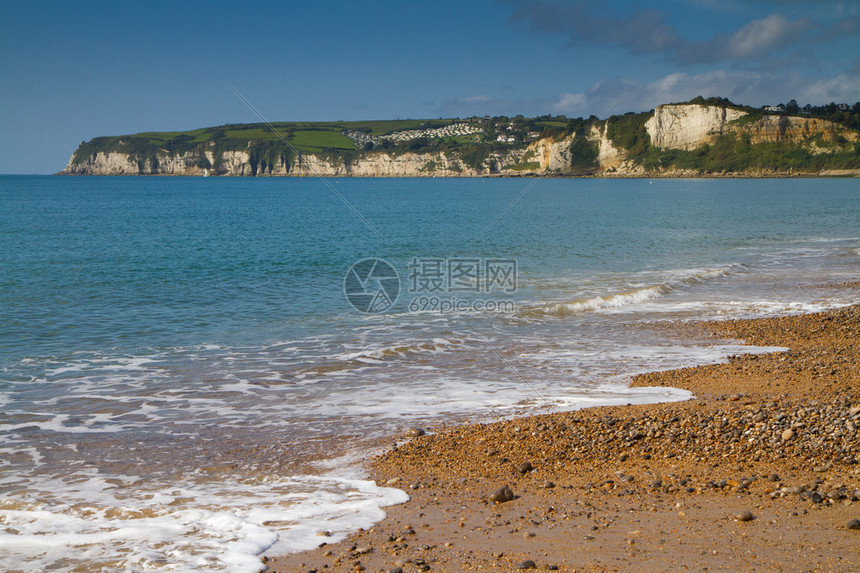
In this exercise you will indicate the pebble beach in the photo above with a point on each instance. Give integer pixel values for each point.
(758, 472)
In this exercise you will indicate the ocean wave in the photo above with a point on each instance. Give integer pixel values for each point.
(675, 281)
(824, 239)
(400, 350)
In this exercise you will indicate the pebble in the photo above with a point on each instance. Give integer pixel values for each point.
(854, 524)
(525, 468)
(787, 435)
(502, 495)
(396, 570)
(415, 432)
(527, 564)
(744, 516)
(548, 485)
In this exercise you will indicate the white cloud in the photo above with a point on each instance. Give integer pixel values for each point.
(748, 88)
(761, 36)
(647, 32)
(844, 88)
(569, 103)
(742, 87)
(682, 87)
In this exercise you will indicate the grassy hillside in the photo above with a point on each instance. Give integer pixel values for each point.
(327, 138)
(475, 139)
(731, 152)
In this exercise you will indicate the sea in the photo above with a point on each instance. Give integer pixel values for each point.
(193, 370)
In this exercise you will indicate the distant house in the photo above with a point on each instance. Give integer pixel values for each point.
(843, 106)
(778, 108)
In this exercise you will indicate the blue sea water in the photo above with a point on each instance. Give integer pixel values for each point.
(183, 382)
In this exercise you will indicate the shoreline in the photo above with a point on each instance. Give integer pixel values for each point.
(826, 174)
(759, 471)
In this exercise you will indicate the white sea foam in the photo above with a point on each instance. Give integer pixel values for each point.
(826, 240)
(714, 309)
(184, 526)
(377, 353)
(671, 281)
(57, 423)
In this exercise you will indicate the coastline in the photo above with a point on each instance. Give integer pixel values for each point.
(654, 487)
(827, 174)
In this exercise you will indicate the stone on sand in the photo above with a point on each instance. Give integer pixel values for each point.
(502, 495)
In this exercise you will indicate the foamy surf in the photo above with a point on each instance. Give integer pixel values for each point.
(103, 522)
(675, 280)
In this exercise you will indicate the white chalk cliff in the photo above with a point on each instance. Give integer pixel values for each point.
(683, 127)
(688, 126)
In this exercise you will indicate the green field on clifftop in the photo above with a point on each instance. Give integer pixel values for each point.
(272, 146)
(305, 137)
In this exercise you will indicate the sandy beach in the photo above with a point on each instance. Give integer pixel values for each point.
(759, 472)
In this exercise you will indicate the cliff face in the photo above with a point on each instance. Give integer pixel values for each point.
(111, 163)
(117, 163)
(551, 155)
(684, 127)
(400, 165)
(773, 128)
(609, 157)
(688, 126)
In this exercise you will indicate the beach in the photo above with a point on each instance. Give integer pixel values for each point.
(193, 389)
(758, 472)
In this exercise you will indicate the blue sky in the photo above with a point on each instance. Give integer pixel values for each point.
(73, 70)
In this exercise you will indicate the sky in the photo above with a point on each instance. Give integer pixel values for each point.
(75, 70)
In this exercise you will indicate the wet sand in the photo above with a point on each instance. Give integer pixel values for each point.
(759, 472)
